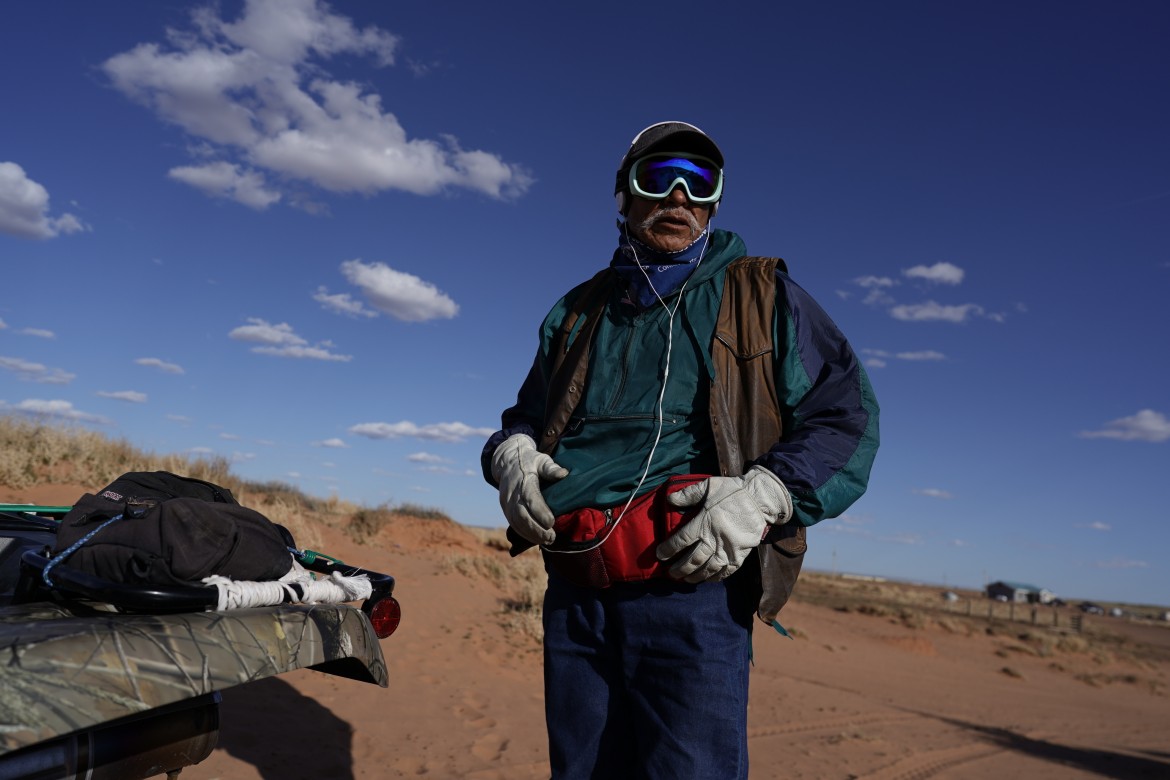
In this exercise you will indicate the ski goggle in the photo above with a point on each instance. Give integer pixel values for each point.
(654, 176)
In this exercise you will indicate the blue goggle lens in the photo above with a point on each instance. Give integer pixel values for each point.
(655, 177)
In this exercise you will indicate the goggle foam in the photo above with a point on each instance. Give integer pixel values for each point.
(654, 176)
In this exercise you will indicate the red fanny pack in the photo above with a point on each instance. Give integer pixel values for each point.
(595, 549)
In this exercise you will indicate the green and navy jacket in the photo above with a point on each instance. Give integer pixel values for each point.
(827, 408)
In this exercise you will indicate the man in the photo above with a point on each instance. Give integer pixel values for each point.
(689, 413)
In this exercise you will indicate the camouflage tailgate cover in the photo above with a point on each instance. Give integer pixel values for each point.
(60, 673)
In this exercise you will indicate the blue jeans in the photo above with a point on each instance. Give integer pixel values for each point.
(646, 680)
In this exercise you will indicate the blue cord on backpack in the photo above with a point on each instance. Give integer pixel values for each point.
(72, 549)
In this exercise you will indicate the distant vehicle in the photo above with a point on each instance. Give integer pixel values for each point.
(950, 595)
(107, 681)
(1001, 597)
(1089, 608)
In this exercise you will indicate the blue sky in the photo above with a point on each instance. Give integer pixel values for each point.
(318, 240)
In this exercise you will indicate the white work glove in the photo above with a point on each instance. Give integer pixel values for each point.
(734, 514)
(519, 467)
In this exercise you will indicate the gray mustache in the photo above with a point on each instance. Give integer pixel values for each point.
(677, 211)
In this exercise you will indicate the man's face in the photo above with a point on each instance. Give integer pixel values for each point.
(667, 225)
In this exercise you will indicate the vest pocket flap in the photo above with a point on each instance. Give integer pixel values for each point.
(748, 347)
(793, 539)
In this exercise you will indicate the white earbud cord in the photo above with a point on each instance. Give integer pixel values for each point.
(661, 393)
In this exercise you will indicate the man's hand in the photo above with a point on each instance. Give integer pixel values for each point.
(519, 468)
(735, 513)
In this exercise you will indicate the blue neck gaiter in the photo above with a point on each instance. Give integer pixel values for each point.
(667, 271)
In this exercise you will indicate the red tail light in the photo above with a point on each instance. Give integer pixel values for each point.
(385, 616)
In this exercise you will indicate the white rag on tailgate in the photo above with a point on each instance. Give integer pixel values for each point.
(296, 587)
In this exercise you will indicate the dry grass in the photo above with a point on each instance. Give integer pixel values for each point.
(365, 523)
(522, 580)
(1103, 645)
(33, 452)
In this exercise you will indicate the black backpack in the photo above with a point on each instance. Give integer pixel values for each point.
(172, 530)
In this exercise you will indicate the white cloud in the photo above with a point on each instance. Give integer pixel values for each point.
(1096, 526)
(280, 340)
(40, 333)
(24, 207)
(230, 436)
(3, 326)
(877, 287)
(36, 372)
(437, 469)
(939, 273)
(1146, 425)
(878, 295)
(923, 354)
(63, 410)
(401, 295)
(225, 180)
(130, 396)
(445, 431)
(308, 353)
(255, 93)
(932, 493)
(929, 311)
(337, 444)
(870, 282)
(1121, 563)
(266, 333)
(342, 303)
(878, 358)
(426, 457)
(161, 365)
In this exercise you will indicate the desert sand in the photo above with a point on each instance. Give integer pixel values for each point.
(874, 693)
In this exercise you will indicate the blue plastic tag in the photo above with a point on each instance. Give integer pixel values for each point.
(781, 630)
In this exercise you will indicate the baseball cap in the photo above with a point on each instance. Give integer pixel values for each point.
(672, 137)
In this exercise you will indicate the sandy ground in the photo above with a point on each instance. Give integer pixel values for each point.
(852, 696)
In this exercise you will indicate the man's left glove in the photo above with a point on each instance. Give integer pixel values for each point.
(519, 467)
(735, 513)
